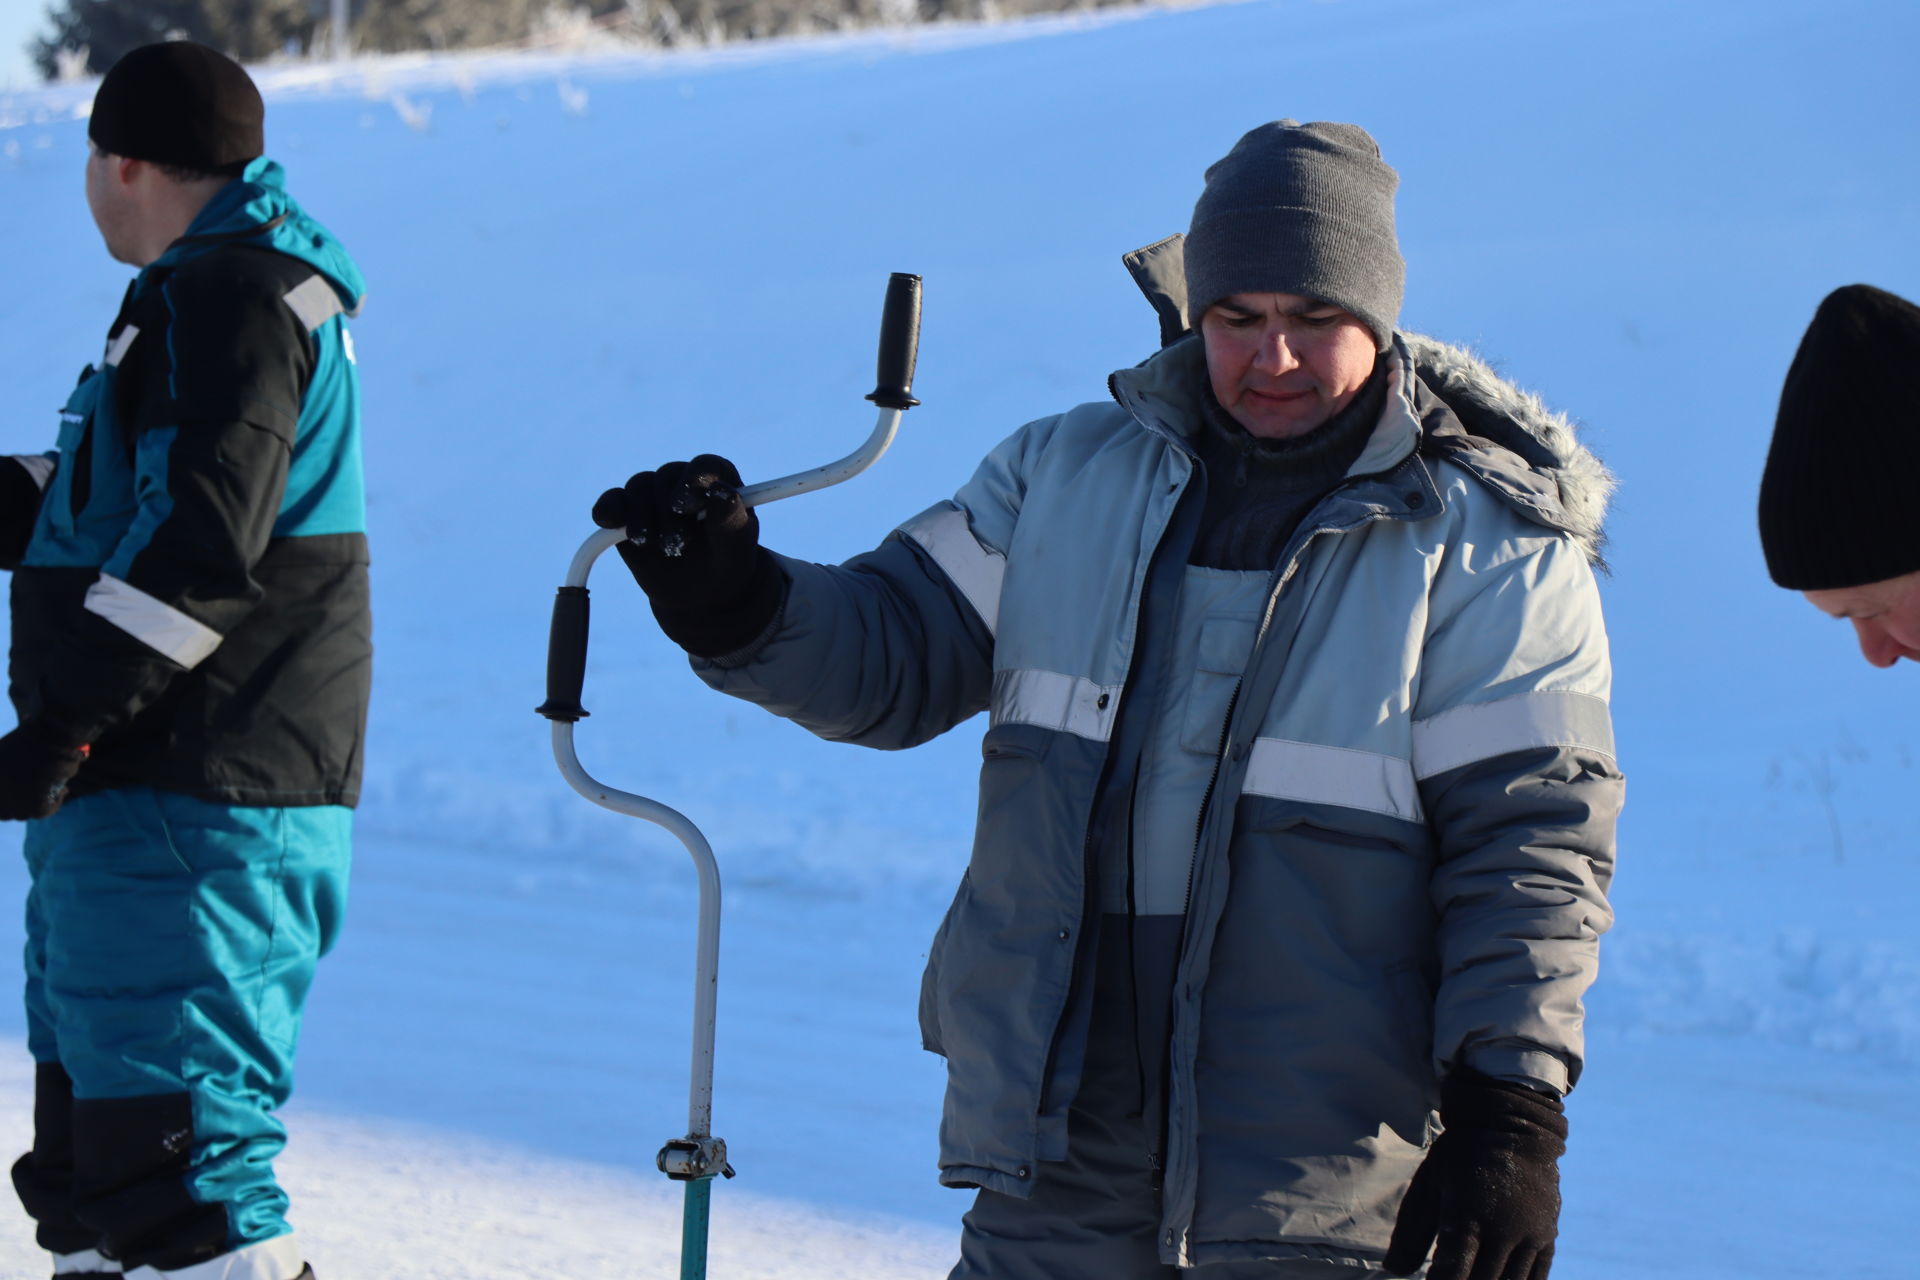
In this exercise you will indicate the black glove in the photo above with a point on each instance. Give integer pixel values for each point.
(694, 548)
(1489, 1189)
(34, 772)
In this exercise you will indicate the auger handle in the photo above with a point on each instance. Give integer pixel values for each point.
(899, 343)
(899, 352)
(567, 656)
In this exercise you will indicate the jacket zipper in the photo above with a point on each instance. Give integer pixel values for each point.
(1285, 576)
(1089, 854)
(1266, 621)
(1206, 799)
(1157, 1161)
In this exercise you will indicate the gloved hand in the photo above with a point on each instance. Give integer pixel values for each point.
(34, 772)
(694, 548)
(1489, 1189)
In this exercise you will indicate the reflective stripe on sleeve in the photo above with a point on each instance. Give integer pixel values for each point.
(313, 301)
(1342, 776)
(117, 349)
(1050, 700)
(976, 571)
(154, 623)
(37, 465)
(1481, 731)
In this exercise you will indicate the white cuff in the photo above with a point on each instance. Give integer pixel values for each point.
(275, 1259)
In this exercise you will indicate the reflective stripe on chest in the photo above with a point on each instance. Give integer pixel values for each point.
(117, 346)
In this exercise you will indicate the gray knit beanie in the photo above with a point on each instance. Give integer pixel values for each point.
(1300, 208)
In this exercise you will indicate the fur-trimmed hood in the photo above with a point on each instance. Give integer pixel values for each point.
(1511, 441)
(1506, 437)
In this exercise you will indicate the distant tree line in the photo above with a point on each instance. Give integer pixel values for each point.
(252, 30)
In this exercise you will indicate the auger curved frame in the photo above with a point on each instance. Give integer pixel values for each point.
(697, 1158)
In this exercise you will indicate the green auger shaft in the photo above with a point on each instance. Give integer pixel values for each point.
(693, 1229)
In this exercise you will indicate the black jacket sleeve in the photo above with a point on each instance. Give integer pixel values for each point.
(213, 415)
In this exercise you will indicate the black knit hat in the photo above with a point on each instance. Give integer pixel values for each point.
(180, 104)
(1836, 501)
(1300, 208)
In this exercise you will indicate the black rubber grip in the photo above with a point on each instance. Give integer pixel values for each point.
(566, 656)
(899, 343)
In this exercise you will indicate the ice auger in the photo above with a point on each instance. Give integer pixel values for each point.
(699, 1157)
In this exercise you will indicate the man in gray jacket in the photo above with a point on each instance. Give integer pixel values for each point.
(1298, 793)
(1834, 506)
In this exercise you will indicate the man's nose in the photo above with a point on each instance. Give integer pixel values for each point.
(1275, 356)
(1876, 646)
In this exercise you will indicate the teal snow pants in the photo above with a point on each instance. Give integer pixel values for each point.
(170, 945)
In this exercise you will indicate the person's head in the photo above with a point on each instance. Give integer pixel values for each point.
(1837, 519)
(172, 123)
(1294, 275)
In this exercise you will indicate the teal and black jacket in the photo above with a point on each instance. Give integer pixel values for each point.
(190, 563)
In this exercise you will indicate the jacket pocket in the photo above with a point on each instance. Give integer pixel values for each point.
(73, 477)
(1412, 1000)
(1219, 662)
(1015, 742)
(1012, 795)
(930, 1037)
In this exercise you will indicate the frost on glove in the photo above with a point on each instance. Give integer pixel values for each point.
(694, 547)
(1486, 1200)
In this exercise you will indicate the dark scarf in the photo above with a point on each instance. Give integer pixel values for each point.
(1259, 490)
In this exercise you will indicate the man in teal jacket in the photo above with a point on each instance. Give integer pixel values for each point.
(1298, 793)
(190, 665)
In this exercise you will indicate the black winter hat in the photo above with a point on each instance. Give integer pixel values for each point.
(1836, 504)
(179, 103)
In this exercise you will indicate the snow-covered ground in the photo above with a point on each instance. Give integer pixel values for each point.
(585, 264)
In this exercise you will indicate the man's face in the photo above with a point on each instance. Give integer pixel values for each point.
(110, 199)
(1282, 364)
(1885, 616)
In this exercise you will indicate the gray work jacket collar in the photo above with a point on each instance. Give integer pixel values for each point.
(1442, 402)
